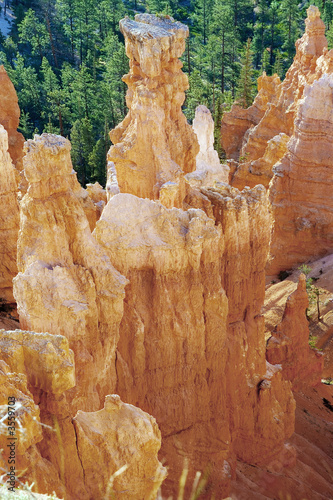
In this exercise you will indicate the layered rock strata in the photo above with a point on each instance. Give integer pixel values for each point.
(10, 118)
(154, 146)
(9, 220)
(208, 167)
(301, 189)
(289, 343)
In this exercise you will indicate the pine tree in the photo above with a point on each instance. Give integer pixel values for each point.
(245, 88)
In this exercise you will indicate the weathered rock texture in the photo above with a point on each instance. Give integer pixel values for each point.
(66, 284)
(238, 121)
(261, 171)
(33, 365)
(112, 186)
(171, 352)
(9, 219)
(208, 166)
(98, 197)
(154, 146)
(281, 109)
(301, 189)
(197, 363)
(10, 117)
(131, 439)
(289, 343)
(251, 383)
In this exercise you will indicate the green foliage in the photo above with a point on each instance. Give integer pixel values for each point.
(246, 85)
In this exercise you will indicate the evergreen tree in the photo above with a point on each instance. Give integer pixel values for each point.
(245, 89)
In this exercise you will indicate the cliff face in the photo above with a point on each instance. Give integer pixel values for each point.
(10, 117)
(198, 363)
(208, 167)
(289, 343)
(251, 383)
(301, 189)
(171, 352)
(154, 146)
(9, 219)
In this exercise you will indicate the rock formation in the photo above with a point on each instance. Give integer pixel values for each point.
(281, 108)
(261, 171)
(238, 121)
(154, 146)
(10, 117)
(179, 264)
(131, 440)
(9, 219)
(112, 186)
(37, 369)
(208, 166)
(66, 284)
(301, 189)
(98, 196)
(289, 343)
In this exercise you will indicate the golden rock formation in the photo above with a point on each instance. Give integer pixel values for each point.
(208, 167)
(10, 117)
(131, 440)
(9, 219)
(65, 280)
(154, 146)
(289, 343)
(301, 189)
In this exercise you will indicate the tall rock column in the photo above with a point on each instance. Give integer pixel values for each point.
(66, 284)
(301, 189)
(154, 146)
(9, 219)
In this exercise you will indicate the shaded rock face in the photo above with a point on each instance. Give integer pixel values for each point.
(186, 353)
(10, 117)
(131, 439)
(289, 343)
(301, 189)
(154, 146)
(238, 121)
(251, 382)
(171, 352)
(281, 107)
(208, 166)
(9, 220)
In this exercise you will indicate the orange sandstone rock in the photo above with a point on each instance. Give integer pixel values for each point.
(154, 146)
(289, 343)
(9, 219)
(125, 461)
(301, 189)
(251, 383)
(238, 121)
(66, 284)
(10, 117)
